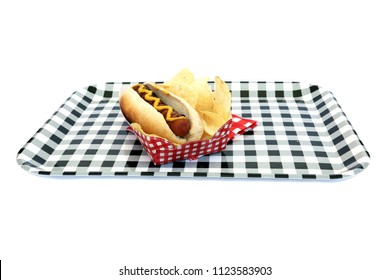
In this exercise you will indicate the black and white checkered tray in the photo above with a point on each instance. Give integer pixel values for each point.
(302, 132)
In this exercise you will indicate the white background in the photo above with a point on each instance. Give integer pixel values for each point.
(82, 228)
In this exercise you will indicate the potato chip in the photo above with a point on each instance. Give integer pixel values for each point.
(205, 95)
(222, 99)
(184, 76)
(184, 91)
(180, 85)
(212, 122)
(214, 107)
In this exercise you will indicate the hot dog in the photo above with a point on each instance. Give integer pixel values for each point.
(161, 112)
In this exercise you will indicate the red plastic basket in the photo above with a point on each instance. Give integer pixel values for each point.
(162, 151)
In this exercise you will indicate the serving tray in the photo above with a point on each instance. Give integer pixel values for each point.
(302, 133)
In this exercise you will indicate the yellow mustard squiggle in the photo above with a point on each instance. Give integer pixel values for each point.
(156, 101)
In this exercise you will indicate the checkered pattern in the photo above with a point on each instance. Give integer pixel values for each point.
(162, 151)
(301, 132)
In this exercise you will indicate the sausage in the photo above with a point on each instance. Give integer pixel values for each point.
(180, 127)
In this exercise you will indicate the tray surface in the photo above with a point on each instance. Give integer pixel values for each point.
(302, 132)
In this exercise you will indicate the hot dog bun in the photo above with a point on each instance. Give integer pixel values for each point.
(137, 110)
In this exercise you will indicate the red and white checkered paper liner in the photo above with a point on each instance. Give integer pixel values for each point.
(162, 151)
